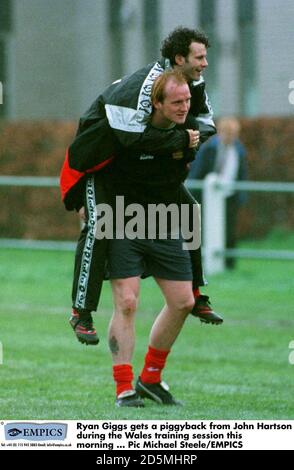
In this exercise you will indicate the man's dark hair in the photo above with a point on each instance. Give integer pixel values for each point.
(179, 40)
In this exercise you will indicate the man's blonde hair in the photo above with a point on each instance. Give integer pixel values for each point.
(158, 92)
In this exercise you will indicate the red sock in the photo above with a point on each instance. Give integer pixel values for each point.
(196, 292)
(123, 377)
(154, 363)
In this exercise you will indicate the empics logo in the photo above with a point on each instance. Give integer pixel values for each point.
(14, 432)
(1, 93)
(1, 353)
(36, 431)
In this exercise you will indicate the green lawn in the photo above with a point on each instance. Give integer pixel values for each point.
(239, 370)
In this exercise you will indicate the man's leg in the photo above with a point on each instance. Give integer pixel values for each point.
(121, 337)
(179, 302)
(202, 308)
(89, 267)
(121, 332)
(91, 252)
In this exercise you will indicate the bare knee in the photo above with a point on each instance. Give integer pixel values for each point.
(127, 304)
(185, 304)
(125, 301)
(125, 295)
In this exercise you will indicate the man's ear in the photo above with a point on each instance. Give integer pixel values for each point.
(179, 59)
(157, 104)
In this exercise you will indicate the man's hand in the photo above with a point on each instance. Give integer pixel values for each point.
(82, 214)
(194, 138)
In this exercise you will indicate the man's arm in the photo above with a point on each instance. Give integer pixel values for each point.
(202, 111)
(205, 120)
(93, 145)
(138, 136)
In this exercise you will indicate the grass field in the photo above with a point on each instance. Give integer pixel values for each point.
(239, 370)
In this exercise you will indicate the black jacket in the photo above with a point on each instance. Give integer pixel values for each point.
(119, 116)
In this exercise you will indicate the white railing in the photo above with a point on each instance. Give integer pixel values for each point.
(30, 181)
(213, 211)
(214, 214)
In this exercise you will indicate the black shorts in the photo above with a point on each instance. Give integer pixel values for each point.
(164, 259)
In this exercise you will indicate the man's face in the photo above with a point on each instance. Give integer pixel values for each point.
(175, 106)
(196, 61)
(228, 131)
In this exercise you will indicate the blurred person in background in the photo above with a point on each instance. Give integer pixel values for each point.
(225, 155)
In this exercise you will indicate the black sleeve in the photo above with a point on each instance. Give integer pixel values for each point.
(154, 141)
(202, 111)
(93, 144)
(206, 132)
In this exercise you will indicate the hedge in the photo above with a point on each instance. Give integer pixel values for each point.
(38, 148)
